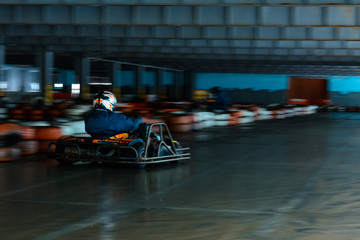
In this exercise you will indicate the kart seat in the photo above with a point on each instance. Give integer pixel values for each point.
(141, 132)
(120, 136)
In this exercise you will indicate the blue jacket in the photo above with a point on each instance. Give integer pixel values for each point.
(101, 123)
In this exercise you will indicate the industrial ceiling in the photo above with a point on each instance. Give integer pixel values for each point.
(261, 36)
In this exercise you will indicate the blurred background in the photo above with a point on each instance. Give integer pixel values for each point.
(270, 59)
(265, 93)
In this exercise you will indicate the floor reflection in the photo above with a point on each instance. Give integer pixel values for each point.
(284, 179)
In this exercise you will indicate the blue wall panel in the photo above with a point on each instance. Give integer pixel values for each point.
(256, 82)
(344, 84)
(272, 88)
(167, 78)
(128, 78)
(66, 77)
(148, 78)
(344, 90)
(249, 88)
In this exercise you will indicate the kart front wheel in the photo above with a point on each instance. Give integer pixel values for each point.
(141, 153)
(69, 152)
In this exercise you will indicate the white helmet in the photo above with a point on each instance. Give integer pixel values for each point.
(105, 99)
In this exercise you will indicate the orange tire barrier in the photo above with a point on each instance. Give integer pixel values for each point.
(181, 123)
(6, 128)
(167, 110)
(138, 105)
(275, 112)
(43, 145)
(18, 117)
(10, 134)
(322, 102)
(237, 114)
(181, 119)
(142, 111)
(9, 154)
(124, 109)
(152, 120)
(62, 96)
(36, 117)
(16, 111)
(299, 101)
(18, 114)
(234, 120)
(29, 147)
(55, 112)
(26, 107)
(48, 133)
(61, 105)
(36, 112)
(28, 133)
(254, 109)
(181, 128)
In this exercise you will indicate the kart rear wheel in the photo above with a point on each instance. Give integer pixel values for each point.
(70, 152)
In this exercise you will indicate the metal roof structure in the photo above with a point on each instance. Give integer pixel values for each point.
(262, 36)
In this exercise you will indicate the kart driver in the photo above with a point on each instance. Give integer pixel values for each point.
(222, 101)
(102, 122)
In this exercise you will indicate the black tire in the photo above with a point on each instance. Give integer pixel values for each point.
(178, 146)
(69, 152)
(164, 151)
(141, 153)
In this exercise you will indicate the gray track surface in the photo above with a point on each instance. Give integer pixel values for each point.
(295, 178)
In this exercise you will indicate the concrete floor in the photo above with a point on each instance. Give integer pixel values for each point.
(295, 178)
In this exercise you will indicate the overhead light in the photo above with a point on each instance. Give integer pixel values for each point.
(75, 88)
(58, 85)
(3, 85)
(100, 83)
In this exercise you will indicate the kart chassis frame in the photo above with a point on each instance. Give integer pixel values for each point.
(91, 152)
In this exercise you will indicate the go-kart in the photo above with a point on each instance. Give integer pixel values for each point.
(150, 144)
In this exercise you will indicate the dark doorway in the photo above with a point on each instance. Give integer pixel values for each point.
(310, 90)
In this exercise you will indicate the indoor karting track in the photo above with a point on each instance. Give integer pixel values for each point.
(295, 178)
